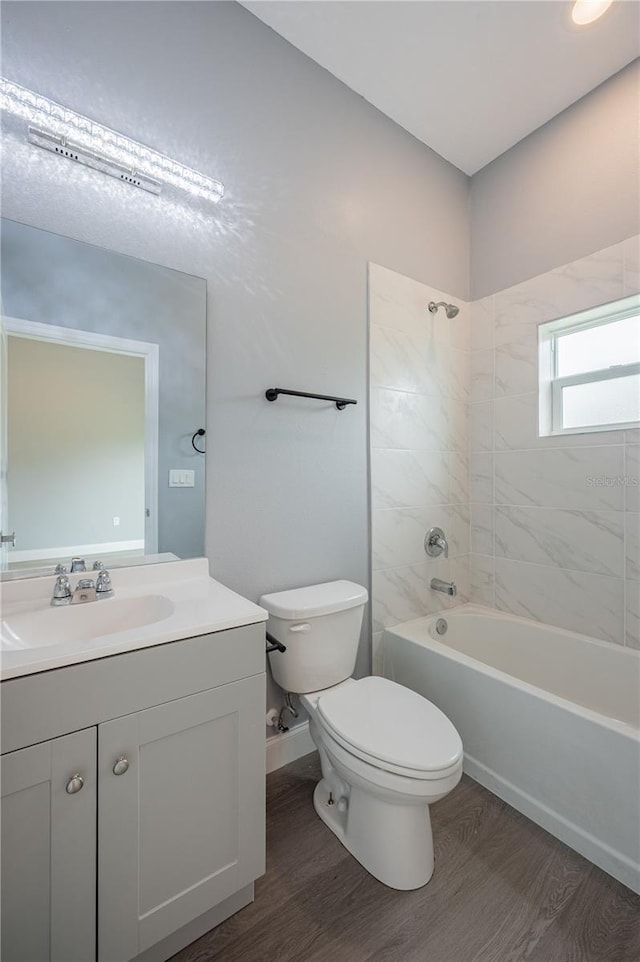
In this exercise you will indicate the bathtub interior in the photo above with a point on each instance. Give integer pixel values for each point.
(596, 675)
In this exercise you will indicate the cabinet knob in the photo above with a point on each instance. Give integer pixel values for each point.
(74, 784)
(121, 766)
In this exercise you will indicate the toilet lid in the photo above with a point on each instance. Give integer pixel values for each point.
(392, 726)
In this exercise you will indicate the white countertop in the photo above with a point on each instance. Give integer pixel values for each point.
(198, 605)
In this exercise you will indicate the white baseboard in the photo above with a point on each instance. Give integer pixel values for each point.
(285, 748)
(74, 550)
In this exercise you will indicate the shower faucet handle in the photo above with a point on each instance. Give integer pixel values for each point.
(435, 543)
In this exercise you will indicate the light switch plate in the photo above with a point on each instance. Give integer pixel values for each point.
(180, 478)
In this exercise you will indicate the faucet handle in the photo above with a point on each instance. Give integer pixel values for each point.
(435, 543)
(60, 569)
(61, 591)
(104, 588)
(98, 565)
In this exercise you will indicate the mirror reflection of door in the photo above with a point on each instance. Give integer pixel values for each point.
(81, 444)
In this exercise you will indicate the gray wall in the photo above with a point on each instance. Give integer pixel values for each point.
(567, 190)
(318, 183)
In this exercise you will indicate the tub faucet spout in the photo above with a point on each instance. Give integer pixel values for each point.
(447, 587)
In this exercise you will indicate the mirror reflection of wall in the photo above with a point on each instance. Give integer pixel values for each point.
(92, 418)
(90, 466)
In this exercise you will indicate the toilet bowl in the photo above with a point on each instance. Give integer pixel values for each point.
(386, 753)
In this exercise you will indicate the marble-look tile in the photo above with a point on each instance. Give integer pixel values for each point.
(458, 426)
(577, 600)
(409, 478)
(461, 575)
(631, 248)
(575, 478)
(482, 529)
(574, 287)
(401, 594)
(632, 614)
(460, 327)
(459, 532)
(459, 477)
(481, 426)
(481, 334)
(397, 534)
(460, 375)
(481, 477)
(516, 428)
(481, 580)
(580, 540)
(397, 301)
(632, 477)
(409, 363)
(632, 544)
(516, 367)
(481, 375)
(377, 665)
(409, 421)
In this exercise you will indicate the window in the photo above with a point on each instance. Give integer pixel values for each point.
(589, 370)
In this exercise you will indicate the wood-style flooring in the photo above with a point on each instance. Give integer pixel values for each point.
(503, 890)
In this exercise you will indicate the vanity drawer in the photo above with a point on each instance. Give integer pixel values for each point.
(41, 706)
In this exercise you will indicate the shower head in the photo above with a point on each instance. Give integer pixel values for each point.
(450, 309)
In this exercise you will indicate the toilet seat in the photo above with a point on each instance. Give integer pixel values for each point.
(391, 728)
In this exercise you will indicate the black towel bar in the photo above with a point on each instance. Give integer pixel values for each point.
(340, 402)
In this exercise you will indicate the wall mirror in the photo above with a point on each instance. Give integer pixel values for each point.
(103, 389)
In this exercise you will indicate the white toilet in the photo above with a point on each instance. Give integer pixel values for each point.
(386, 752)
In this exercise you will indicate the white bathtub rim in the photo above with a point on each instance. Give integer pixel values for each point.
(446, 651)
(473, 608)
(606, 857)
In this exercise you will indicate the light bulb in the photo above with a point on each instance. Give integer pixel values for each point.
(586, 11)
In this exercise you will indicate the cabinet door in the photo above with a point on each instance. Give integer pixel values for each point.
(49, 851)
(183, 827)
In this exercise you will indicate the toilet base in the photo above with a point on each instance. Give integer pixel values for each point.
(391, 840)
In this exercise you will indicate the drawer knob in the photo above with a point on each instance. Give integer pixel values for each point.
(121, 766)
(74, 784)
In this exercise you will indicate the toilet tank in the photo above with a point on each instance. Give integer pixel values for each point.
(320, 627)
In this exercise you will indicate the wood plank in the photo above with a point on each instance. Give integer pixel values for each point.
(503, 890)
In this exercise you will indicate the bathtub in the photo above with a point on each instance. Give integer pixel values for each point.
(549, 721)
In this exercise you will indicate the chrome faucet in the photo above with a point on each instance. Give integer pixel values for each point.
(435, 543)
(85, 591)
(78, 564)
(447, 587)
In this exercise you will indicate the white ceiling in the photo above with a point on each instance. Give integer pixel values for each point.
(469, 78)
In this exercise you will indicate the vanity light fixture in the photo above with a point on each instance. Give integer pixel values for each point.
(71, 135)
(586, 11)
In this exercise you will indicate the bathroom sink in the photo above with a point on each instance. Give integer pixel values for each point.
(153, 604)
(76, 623)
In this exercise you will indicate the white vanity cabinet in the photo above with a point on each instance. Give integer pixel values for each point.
(166, 832)
(49, 850)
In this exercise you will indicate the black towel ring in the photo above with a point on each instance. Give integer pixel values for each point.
(200, 433)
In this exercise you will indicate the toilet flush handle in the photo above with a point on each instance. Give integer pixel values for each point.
(302, 627)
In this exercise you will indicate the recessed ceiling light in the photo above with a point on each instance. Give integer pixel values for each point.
(586, 11)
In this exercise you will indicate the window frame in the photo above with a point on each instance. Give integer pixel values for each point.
(551, 386)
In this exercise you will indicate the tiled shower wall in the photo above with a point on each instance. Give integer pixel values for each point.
(419, 398)
(554, 521)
